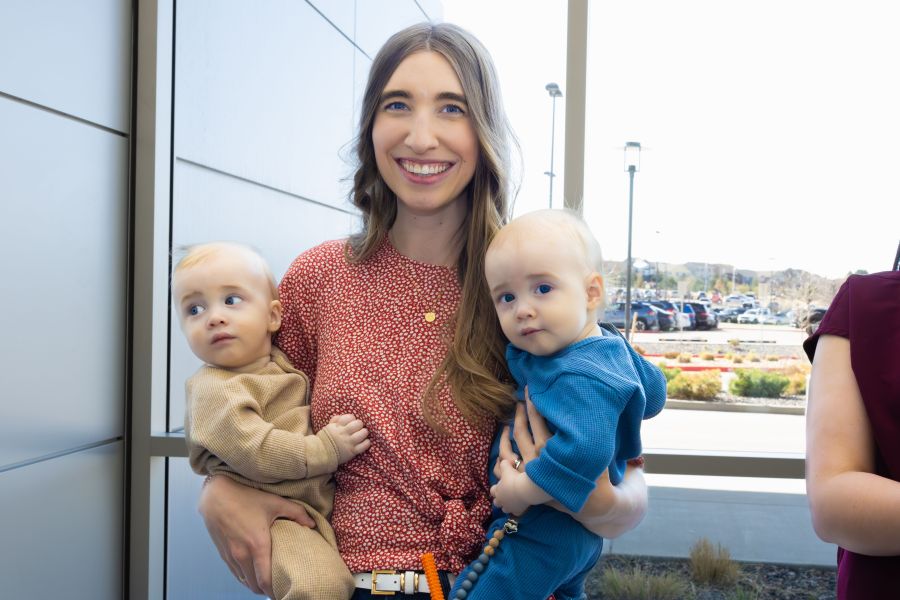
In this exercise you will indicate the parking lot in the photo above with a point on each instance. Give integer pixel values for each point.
(772, 334)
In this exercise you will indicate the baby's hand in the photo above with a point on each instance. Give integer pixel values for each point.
(349, 435)
(506, 491)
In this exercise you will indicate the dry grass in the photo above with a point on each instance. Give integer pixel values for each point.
(753, 357)
(671, 354)
(712, 565)
(639, 349)
(638, 585)
(702, 385)
(685, 357)
(707, 356)
(772, 357)
(737, 359)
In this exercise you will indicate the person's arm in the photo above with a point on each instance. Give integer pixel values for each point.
(227, 422)
(850, 505)
(238, 519)
(610, 510)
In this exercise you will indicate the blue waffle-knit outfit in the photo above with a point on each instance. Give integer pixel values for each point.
(593, 394)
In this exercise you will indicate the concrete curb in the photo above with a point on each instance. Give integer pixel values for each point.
(734, 407)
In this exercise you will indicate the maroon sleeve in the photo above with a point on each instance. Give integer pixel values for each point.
(835, 322)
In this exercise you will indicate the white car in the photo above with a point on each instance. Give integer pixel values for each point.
(754, 315)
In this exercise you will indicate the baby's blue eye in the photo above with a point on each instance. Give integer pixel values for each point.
(506, 298)
(195, 309)
(544, 288)
(233, 299)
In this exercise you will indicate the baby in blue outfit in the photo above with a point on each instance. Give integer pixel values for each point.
(543, 271)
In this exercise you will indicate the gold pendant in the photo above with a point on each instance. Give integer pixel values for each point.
(430, 317)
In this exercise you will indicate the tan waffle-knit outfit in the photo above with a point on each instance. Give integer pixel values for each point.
(255, 428)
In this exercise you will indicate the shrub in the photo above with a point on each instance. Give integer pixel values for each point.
(707, 356)
(671, 354)
(796, 385)
(702, 385)
(728, 356)
(734, 343)
(753, 357)
(758, 384)
(738, 359)
(772, 357)
(638, 585)
(712, 564)
(669, 372)
(640, 350)
(684, 357)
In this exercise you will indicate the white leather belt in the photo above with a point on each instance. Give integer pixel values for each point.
(387, 582)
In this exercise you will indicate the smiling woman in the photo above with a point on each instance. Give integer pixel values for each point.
(425, 145)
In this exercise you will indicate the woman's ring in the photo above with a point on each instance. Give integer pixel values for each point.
(517, 463)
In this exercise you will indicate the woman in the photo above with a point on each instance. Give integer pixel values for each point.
(853, 446)
(395, 326)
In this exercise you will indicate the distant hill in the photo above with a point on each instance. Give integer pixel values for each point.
(789, 287)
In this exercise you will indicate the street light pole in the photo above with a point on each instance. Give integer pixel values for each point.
(555, 93)
(632, 165)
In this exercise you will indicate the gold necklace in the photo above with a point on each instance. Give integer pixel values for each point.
(430, 316)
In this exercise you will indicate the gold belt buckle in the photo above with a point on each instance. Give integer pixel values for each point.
(375, 575)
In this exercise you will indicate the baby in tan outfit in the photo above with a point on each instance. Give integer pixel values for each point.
(247, 413)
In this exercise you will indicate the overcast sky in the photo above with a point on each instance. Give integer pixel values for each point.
(771, 128)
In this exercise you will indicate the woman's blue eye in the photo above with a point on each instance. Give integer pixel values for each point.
(544, 288)
(397, 105)
(452, 108)
(195, 310)
(233, 299)
(506, 298)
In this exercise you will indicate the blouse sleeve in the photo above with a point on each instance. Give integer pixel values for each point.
(298, 292)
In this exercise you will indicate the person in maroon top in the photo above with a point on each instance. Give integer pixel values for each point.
(853, 434)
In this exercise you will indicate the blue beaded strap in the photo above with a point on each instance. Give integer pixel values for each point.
(510, 527)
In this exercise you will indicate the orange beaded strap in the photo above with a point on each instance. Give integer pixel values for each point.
(431, 575)
(510, 527)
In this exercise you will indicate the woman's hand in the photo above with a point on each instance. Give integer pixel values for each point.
(611, 510)
(239, 519)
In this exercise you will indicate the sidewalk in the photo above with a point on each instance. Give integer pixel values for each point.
(763, 520)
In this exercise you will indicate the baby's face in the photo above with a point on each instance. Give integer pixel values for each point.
(542, 288)
(226, 309)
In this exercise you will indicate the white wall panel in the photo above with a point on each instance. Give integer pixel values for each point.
(62, 233)
(211, 206)
(263, 90)
(340, 12)
(62, 527)
(194, 569)
(377, 20)
(74, 57)
(433, 8)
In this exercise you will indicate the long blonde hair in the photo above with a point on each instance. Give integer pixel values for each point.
(474, 366)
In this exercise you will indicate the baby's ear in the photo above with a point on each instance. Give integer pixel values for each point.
(275, 311)
(595, 290)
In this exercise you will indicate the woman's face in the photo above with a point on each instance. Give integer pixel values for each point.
(425, 144)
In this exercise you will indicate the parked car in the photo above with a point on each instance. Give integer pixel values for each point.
(688, 310)
(730, 314)
(753, 315)
(740, 300)
(706, 318)
(666, 319)
(782, 318)
(646, 315)
(681, 320)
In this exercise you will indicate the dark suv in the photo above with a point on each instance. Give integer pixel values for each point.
(646, 315)
(706, 318)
